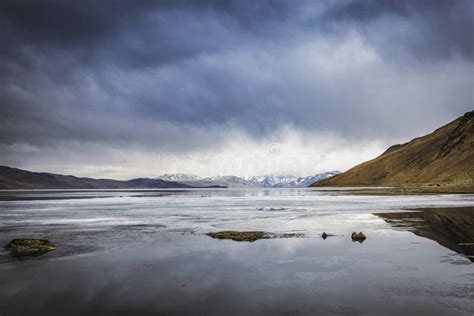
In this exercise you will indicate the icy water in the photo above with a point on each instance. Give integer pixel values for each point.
(145, 252)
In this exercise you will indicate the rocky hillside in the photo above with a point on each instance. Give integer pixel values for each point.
(442, 161)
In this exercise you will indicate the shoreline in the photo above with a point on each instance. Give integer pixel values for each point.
(395, 190)
(68, 194)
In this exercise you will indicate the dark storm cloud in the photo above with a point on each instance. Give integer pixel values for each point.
(178, 75)
(436, 28)
(140, 32)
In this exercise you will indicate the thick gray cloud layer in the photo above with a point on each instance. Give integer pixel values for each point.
(180, 76)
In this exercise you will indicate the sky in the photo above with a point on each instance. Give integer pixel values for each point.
(123, 89)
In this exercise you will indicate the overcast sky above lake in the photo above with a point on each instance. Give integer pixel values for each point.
(138, 88)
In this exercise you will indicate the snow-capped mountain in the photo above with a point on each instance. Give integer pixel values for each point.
(290, 181)
(179, 177)
(266, 181)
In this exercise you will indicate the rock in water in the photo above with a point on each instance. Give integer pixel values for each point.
(240, 236)
(360, 237)
(324, 235)
(29, 247)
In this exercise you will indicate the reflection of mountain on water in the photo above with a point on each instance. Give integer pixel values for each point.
(452, 228)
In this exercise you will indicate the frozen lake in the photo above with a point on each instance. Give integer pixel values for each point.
(146, 252)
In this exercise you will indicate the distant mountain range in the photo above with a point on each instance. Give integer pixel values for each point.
(13, 178)
(266, 181)
(442, 161)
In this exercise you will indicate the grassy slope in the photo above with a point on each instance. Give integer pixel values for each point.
(442, 161)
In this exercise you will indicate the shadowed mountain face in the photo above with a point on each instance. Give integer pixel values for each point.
(452, 228)
(442, 161)
(12, 178)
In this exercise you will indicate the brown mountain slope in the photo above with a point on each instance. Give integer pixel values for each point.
(442, 160)
(13, 178)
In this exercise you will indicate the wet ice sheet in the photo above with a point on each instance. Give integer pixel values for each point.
(147, 253)
(125, 218)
